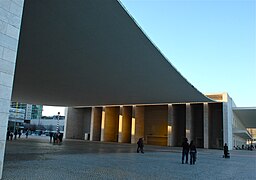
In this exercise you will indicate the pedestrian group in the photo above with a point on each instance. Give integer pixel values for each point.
(188, 148)
(10, 134)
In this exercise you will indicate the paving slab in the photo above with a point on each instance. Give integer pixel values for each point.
(36, 158)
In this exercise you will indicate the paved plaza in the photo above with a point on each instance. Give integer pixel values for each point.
(35, 158)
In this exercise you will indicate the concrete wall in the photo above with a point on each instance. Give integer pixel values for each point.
(215, 111)
(138, 125)
(10, 21)
(171, 140)
(96, 118)
(179, 123)
(125, 123)
(110, 129)
(206, 125)
(228, 121)
(197, 124)
(238, 125)
(158, 124)
(189, 130)
(155, 125)
(77, 123)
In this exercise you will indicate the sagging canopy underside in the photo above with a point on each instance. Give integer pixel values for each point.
(87, 53)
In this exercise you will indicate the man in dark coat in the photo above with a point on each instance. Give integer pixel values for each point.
(8, 135)
(15, 134)
(51, 135)
(193, 152)
(140, 145)
(185, 150)
(226, 153)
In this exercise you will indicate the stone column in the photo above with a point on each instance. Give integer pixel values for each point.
(96, 118)
(215, 125)
(103, 119)
(206, 126)
(78, 122)
(188, 122)
(179, 123)
(171, 136)
(10, 21)
(110, 128)
(197, 124)
(138, 124)
(133, 125)
(227, 124)
(125, 120)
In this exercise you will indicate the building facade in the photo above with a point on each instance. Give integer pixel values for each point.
(49, 123)
(32, 111)
(124, 87)
(210, 125)
(10, 21)
(21, 114)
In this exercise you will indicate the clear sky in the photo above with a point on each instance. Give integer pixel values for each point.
(53, 110)
(212, 43)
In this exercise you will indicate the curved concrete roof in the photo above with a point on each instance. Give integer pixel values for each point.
(85, 53)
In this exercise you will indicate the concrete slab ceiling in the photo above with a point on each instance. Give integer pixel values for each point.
(247, 115)
(242, 133)
(86, 53)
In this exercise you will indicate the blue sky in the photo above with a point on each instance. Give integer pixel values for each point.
(212, 43)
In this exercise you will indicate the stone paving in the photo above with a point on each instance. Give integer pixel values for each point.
(36, 158)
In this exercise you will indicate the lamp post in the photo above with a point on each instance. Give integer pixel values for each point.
(58, 121)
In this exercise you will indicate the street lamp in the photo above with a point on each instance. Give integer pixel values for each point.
(58, 121)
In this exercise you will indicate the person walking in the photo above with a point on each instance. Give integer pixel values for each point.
(226, 153)
(193, 152)
(54, 138)
(15, 134)
(51, 135)
(185, 150)
(11, 135)
(8, 135)
(19, 133)
(27, 134)
(140, 145)
(58, 137)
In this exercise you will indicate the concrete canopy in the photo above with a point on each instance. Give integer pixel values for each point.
(89, 53)
(242, 133)
(246, 115)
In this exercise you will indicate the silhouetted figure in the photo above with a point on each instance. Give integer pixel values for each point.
(27, 134)
(51, 135)
(251, 147)
(58, 137)
(185, 150)
(11, 135)
(15, 134)
(193, 152)
(19, 134)
(226, 153)
(140, 145)
(61, 137)
(54, 137)
(8, 135)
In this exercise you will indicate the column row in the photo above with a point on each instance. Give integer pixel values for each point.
(165, 125)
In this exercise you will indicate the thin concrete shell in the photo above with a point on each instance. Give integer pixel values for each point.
(89, 53)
